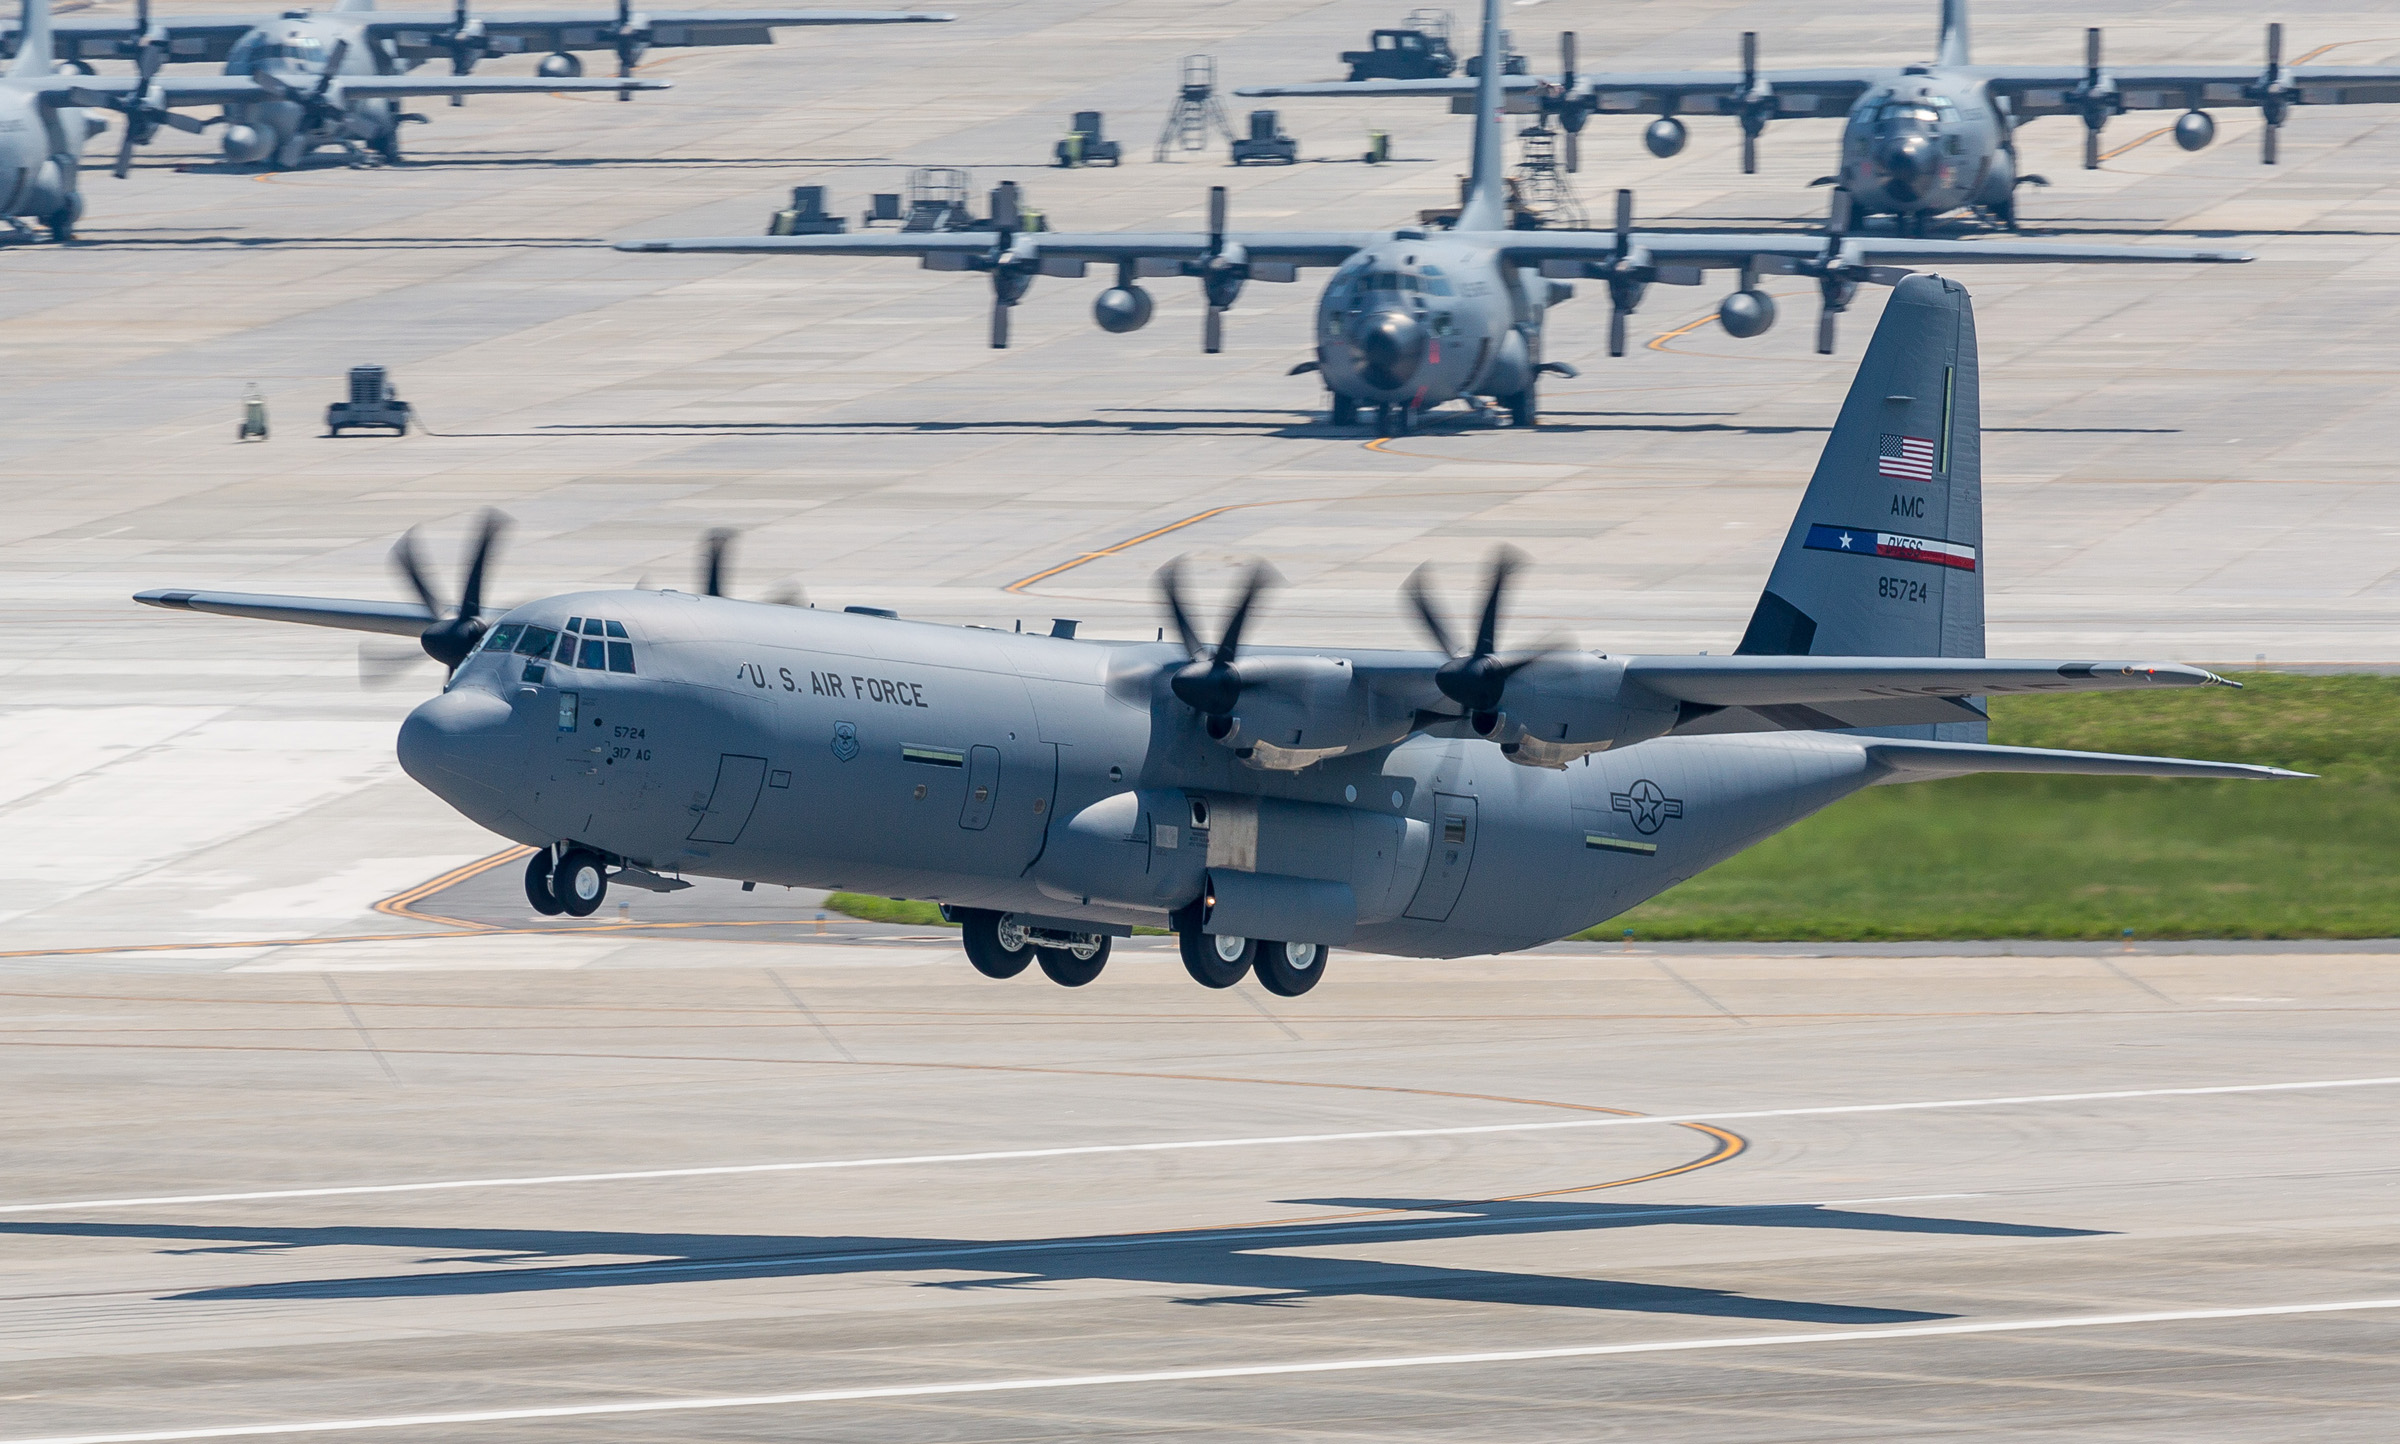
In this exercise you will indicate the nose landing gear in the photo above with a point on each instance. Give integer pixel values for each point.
(575, 884)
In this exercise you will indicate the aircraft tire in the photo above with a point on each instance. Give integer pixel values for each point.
(980, 931)
(537, 885)
(580, 882)
(1070, 971)
(1289, 969)
(1211, 966)
(1524, 409)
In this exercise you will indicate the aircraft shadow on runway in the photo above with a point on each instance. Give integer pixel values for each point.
(1250, 1262)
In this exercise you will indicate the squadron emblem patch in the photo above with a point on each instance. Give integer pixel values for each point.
(845, 740)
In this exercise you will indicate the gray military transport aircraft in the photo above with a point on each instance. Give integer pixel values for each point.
(1921, 140)
(333, 76)
(45, 118)
(1414, 318)
(1266, 803)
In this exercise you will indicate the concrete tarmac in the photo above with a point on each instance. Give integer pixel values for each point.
(223, 970)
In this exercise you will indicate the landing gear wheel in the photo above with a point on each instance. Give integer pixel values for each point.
(1074, 967)
(61, 222)
(1214, 960)
(1342, 411)
(291, 153)
(1289, 969)
(537, 885)
(995, 944)
(387, 145)
(580, 882)
(1523, 408)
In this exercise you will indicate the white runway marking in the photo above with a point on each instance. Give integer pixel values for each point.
(1181, 1376)
(1179, 1145)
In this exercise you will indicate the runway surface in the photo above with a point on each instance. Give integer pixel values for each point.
(240, 954)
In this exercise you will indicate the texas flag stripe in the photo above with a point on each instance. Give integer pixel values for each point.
(1867, 542)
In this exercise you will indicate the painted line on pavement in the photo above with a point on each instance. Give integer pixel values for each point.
(1185, 1376)
(1190, 1144)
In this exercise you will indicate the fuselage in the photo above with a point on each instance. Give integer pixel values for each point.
(1049, 777)
(1924, 141)
(301, 49)
(1420, 320)
(40, 149)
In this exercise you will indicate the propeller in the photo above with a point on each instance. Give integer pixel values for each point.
(2095, 97)
(144, 109)
(630, 37)
(1838, 270)
(2275, 94)
(1628, 271)
(1012, 275)
(1210, 683)
(712, 561)
(467, 43)
(1560, 102)
(1222, 270)
(1757, 103)
(1477, 678)
(319, 111)
(449, 640)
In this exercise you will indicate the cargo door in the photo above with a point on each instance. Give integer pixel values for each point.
(983, 788)
(730, 803)
(1453, 852)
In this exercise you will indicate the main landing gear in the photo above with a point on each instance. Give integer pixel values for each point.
(1000, 945)
(575, 883)
(1285, 969)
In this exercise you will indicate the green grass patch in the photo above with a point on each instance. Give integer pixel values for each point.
(888, 910)
(2065, 857)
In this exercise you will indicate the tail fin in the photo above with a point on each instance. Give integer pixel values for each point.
(1885, 558)
(1486, 207)
(33, 42)
(1954, 46)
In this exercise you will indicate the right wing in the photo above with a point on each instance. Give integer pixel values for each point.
(178, 91)
(533, 32)
(2037, 90)
(1798, 93)
(399, 619)
(188, 42)
(1052, 252)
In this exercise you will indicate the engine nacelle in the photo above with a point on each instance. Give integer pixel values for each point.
(1665, 136)
(246, 144)
(1120, 309)
(1746, 313)
(1573, 703)
(2194, 129)
(559, 65)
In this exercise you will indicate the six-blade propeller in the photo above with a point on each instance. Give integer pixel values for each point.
(1475, 678)
(453, 635)
(1210, 683)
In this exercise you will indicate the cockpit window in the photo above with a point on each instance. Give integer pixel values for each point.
(536, 642)
(620, 656)
(502, 637)
(616, 629)
(595, 654)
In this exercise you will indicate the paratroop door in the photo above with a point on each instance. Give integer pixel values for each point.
(736, 795)
(1446, 865)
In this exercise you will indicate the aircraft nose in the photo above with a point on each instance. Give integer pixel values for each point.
(1906, 158)
(1390, 347)
(463, 747)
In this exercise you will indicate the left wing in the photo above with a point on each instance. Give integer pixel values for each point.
(535, 32)
(2036, 90)
(1566, 253)
(188, 42)
(394, 87)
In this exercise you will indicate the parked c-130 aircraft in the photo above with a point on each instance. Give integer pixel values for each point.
(340, 70)
(1920, 140)
(1267, 803)
(1414, 318)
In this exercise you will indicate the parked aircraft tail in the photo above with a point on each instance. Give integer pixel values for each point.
(1486, 206)
(1954, 46)
(33, 42)
(1885, 557)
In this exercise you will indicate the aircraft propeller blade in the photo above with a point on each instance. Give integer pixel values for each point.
(2096, 98)
(1011, 276)
(1754, 112)
(999, 323)
(450, 639)
(632, 37)
(1209, 683)
(2274, 97)
(1477, 678)
(1212, 331)
(1629, 274)
(1222, 270)
(712, 567)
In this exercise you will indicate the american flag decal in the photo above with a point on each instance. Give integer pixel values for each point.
(1907, 457)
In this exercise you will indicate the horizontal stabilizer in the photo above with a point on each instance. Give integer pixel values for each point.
(399, 619)
(1910, 760)
(1771, 681)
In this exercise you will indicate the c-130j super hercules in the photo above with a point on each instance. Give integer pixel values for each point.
(1266, 803)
